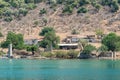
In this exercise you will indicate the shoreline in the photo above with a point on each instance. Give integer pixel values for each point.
(46, 58)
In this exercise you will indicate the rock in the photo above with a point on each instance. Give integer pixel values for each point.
(22, 52)
(105, 54)
(85, 56)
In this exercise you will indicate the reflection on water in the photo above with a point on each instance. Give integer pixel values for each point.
(59, 70)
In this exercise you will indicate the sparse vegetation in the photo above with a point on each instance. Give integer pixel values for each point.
(74, 31)
(8, 7)
(61, 54)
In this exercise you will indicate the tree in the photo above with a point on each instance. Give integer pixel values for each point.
(115, 6)
(50, 40)
(112, 41)
(103, 48)
(88, 49)
(32, 48)
(15, 39)
(86, 53)
(46, 30)
(82, 43)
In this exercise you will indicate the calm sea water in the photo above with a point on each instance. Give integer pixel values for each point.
(59, 69)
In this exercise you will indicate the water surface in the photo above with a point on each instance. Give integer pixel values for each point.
(59, 69)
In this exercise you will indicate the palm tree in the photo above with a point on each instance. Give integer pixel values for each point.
(82, 43)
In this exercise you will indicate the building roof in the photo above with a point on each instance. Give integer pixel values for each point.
(68, 44)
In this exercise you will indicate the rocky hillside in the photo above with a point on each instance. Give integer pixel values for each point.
(63, 15)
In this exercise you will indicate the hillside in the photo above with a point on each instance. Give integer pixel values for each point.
(84, 16)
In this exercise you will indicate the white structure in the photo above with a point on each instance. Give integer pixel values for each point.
(68, 46)
(10, 51)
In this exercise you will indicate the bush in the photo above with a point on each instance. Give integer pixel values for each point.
(2, 53)
(5, 44)
(97, 6)
(60, 1)
(60, 54)
(115, 6)
(14, 4)
(36, 23)
(3, 4)
(72, 54)
(83, 2)
(31, 6)
(103, 48)
(29, 1)
(8, 19)
(23, 11)
(47, 54)
(46, 30)
(75, 31)
(8, 13)
(1, 35)
(68, 9)
(43, 11)
(88, 49)
(82, 10)
(32, 48)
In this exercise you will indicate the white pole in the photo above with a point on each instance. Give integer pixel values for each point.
(10, 51)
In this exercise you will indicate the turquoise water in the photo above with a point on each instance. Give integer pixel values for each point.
(59, 70)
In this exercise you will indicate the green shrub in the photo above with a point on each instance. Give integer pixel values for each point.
(5, 44)
(74, 31)
(61, 54)
(115, 6)
(47, 54)
(98, 6)
(23, 11)
(3, 4)
(83, 2)
(103, 48)
(36, 23)
(43, 11)
(29, 1)
(8, 19)
(68, 9)
(32, 48)
(8, 13)
(31, 6)
(2, 53)
(72, 54)
(82, 10)
(46, 30)
(37, 1)
(88, 49)
(60, 1)
(15, 4)
(1, 35)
